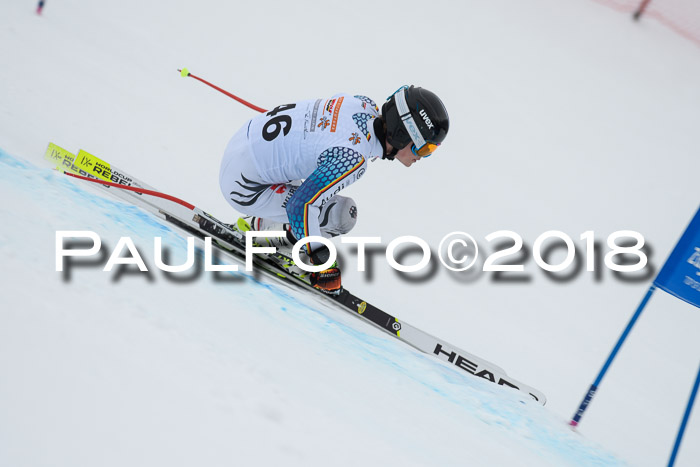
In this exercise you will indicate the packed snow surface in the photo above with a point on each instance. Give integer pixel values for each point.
(564, 116)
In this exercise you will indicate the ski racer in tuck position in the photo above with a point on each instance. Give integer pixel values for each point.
(284, 168)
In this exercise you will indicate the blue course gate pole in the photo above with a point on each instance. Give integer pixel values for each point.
(686, 416)
(594, 387)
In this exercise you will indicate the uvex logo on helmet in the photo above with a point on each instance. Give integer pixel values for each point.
(426, 119)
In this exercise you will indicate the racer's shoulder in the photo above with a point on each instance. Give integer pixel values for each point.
(358, 103)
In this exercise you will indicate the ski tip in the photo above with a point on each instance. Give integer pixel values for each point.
(184, 72)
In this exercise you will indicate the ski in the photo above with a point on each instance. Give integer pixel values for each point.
(230, 242)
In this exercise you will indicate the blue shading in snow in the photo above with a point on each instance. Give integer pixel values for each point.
(340, 333)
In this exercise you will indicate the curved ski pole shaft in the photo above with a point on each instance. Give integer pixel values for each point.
(139, 190)
(185, 73)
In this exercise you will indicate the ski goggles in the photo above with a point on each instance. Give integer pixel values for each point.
(420, 146)
(425, 150)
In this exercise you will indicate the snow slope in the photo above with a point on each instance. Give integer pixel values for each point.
(565, 115)
(109, 369)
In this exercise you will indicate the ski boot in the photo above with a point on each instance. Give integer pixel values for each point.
(327, 281)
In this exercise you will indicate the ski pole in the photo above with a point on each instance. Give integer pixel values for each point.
(142, 191)
(185, 73)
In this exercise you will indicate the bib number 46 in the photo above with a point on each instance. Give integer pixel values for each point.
(278, 123)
